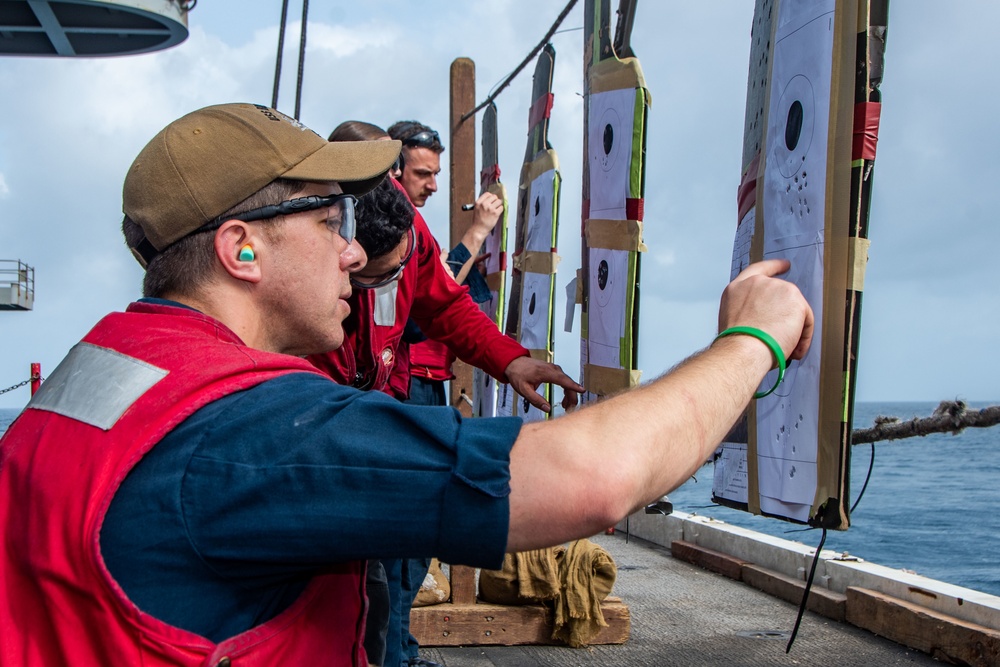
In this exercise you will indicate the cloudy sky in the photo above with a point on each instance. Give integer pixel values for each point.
(70, 129)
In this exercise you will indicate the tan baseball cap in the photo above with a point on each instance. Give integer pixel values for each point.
(204, 163)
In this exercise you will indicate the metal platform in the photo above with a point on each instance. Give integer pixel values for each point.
(87, 28)
(685, 616)
(17, 285)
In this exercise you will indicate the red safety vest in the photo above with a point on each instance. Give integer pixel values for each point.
(131, 380)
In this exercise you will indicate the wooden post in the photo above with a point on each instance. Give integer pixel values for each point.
(462, 179)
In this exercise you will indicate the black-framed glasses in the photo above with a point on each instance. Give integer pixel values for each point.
(374, 282)
(342, 221)
(425, 139)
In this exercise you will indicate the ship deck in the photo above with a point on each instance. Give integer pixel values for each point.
(686, 616)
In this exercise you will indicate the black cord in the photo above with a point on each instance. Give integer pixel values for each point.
(805, 593)
(517, 69)
(281, 47)
(302, 57)
(871, 466)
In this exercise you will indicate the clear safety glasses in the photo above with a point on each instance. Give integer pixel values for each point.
(374, 282)
(341, 218)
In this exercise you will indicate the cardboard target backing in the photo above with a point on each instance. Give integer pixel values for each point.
(532, 292)
(616, 109)
(494, 262)
(798, 200)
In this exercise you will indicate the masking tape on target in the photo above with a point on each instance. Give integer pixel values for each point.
(537, 262)
(543, 162)
(614, 234)
(614, 74)
(605, 381)
(857, 262)
(541, 355)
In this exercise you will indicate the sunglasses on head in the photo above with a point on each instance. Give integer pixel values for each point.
(425, 139)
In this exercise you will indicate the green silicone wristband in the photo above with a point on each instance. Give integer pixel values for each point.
(768, 340)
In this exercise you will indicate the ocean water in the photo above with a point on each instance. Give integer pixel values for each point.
(932, 505)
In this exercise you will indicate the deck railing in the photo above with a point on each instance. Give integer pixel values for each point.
(17, 285)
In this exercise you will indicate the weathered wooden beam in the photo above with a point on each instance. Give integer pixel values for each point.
(708, 559)
(944, 637)
(821, 600)
(500, 625)
(462, 190)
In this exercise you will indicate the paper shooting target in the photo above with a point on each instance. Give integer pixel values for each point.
(606, 316)
(604, 281)
(609, 144)
(609, 128)
(492, 245)
(539, 226)
(798, 125)
(535, 291)
(529, 412)
(484, 401)
(505, 402)
(796, 115)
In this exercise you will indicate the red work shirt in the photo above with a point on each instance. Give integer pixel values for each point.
(444, 311)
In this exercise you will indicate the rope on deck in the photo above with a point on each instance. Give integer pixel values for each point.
(949, 417)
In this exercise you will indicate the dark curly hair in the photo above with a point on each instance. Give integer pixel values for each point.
(383, 216)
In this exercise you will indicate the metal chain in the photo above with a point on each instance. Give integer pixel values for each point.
(21, 384)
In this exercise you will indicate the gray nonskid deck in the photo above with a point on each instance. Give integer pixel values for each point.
(685, 616)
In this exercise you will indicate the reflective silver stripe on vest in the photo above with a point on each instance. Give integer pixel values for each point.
(95, 385)
(385, 304)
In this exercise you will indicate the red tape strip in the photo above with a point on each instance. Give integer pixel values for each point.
(866, 121)
(635, 209)
(489, 175)
(540, 109)
(746, 194)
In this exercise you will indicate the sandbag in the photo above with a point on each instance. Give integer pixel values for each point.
(435, 588)
(588, 574)
(525, 578)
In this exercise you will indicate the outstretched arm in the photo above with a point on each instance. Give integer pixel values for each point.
(576, 475)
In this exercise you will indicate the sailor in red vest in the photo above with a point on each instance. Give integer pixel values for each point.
(185, 489)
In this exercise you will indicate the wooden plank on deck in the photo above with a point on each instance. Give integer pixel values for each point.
(484, 624)
(944, 637)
